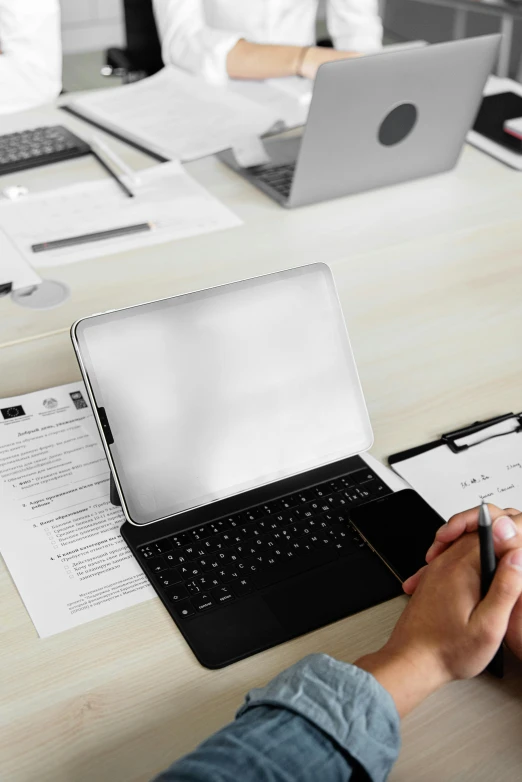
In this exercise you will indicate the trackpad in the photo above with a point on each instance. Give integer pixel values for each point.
(327, 594)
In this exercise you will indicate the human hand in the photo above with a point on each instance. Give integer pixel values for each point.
(317, 55)
(507, 535)
(447, 632)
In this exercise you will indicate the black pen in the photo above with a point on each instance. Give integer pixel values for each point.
(128, 192)
(98, 236)
(488, 566)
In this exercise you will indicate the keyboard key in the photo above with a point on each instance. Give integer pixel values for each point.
(192, 587)
(208, 563)
(361, 476)
(376, 488)
(163, 546)
(175, 558)
(253, 514)
(200, 533)
(241, 587)
(169, 577)
(321, 491)
(363, 493)
(272, 507)
(346, 480)
(157, 564)
(222, 595)
(211, 545)
(184, 609)
(191, 553)
(146, 552)
(177, 593)
(228, 573)
(180, 540)
(219, 526)
(206, 583)
(202, 602)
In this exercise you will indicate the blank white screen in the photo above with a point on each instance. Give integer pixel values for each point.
(217, 392)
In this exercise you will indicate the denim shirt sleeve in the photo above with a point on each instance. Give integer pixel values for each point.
(319, 720)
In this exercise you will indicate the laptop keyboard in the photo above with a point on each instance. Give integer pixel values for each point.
(38, 147)
(225, 560)
(277, 177)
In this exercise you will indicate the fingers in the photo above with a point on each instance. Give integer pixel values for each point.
(410, 585)
(467, 521)
(492, 614)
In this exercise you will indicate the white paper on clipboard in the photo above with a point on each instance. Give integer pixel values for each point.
(452, 482)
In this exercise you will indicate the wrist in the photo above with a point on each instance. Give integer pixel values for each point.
(409, 677)
(300, 60)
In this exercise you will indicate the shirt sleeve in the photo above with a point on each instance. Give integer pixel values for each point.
(187, 41)
(319, 720)
(354, 25)
(31, 59)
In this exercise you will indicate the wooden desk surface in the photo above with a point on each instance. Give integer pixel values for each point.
(430, 279)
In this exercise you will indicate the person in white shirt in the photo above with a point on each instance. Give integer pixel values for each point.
(30, 53)
(262, 39)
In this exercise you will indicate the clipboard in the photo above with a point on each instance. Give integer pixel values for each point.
(450, 439)
(481, 461)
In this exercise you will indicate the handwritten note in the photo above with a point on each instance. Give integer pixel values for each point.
(489, 470)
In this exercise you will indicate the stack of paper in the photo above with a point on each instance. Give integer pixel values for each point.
(177, 115)
(168, 203)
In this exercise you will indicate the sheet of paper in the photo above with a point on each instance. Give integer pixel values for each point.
(490, 470)
(59, 534)
(178, 115)
(174, 204)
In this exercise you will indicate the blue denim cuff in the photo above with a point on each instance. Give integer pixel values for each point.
(343, 701)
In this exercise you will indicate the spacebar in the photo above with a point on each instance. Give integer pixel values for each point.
(288, 569)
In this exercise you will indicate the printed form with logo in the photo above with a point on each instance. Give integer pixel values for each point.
(59, 533)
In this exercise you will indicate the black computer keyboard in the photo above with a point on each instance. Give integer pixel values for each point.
(38, 147)
(277, 177)
(224, 560)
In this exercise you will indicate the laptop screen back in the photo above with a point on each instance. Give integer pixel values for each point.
(217, 392)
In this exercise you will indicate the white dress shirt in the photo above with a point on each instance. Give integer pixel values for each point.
(31, 58)
(198, 34)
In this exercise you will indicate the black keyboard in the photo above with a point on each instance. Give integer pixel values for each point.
(226, 559)
(277, 177)
(38, 147)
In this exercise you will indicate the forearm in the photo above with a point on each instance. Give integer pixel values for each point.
(267, 61)
(263, 61)
(320, 719)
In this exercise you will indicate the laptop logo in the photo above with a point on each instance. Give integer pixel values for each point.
(397, 124)
(12, 412)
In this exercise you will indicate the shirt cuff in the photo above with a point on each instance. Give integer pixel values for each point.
(217, 45)
(365, 44)
(345, 702)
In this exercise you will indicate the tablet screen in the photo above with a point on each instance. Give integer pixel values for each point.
(217, 392)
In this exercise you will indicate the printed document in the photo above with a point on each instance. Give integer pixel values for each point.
(173, 204)
(452, 482)
(177, 115)
(59, 533)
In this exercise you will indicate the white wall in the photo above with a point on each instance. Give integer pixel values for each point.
(89, 25)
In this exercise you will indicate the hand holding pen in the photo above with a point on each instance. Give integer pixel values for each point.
(507, 537)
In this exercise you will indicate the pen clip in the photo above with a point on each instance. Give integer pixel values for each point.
(450, 437)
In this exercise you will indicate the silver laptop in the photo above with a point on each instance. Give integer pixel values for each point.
(378, 120)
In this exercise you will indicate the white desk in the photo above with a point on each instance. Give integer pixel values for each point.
(430, 279)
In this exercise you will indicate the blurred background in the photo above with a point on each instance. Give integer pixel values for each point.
(90, 27)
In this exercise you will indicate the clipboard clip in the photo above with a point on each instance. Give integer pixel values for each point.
(450, 438)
